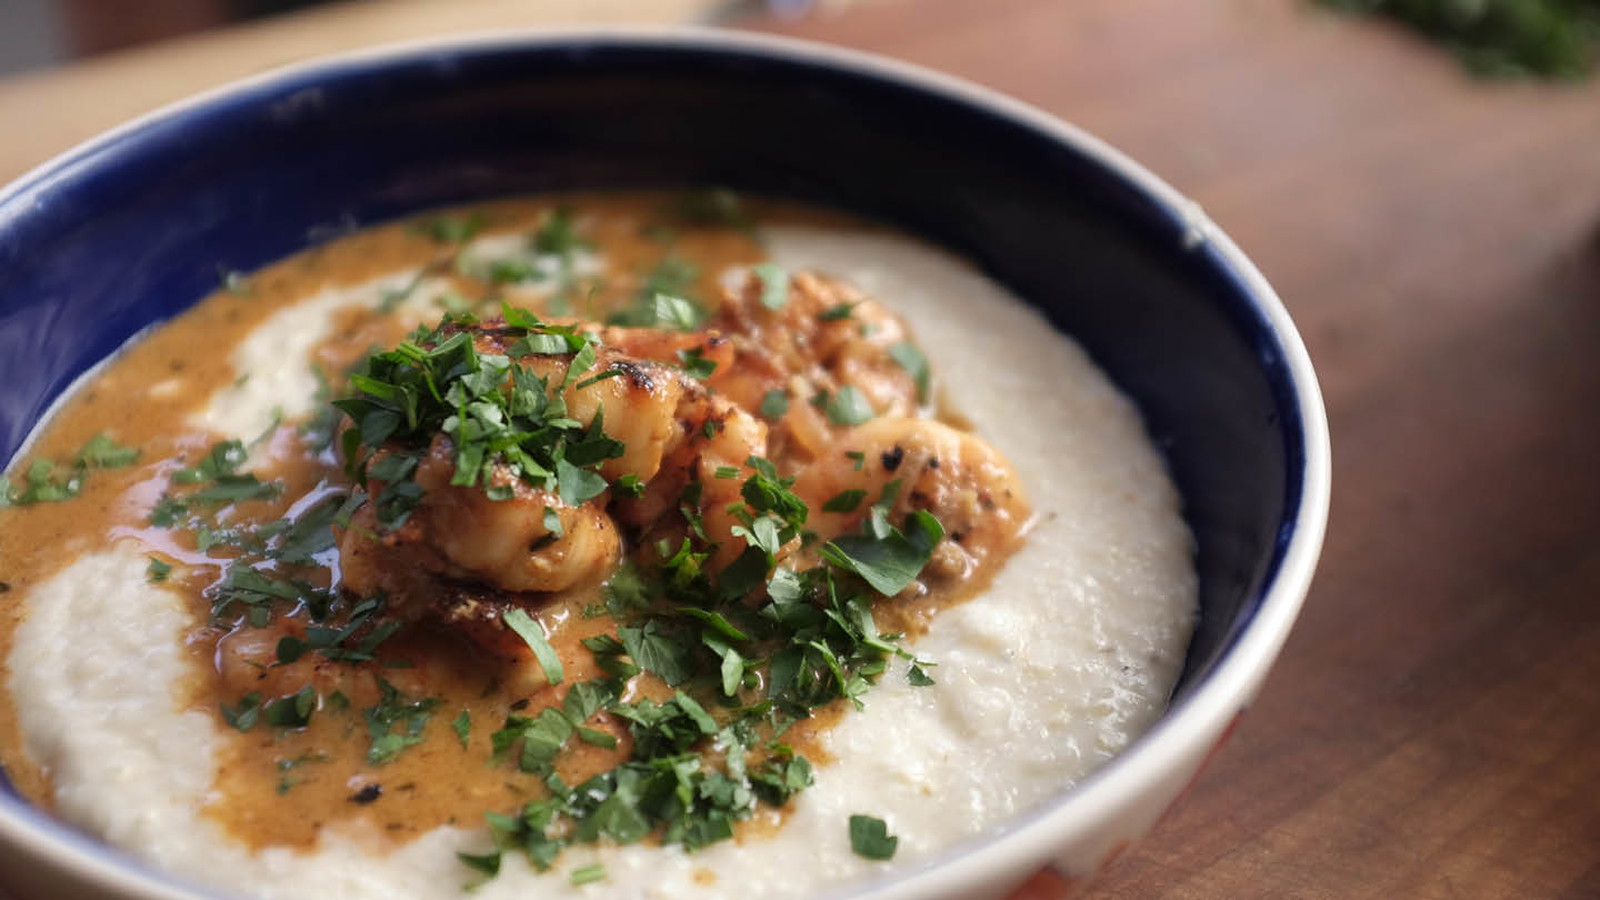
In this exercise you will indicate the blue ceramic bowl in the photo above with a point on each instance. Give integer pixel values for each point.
(133, 227)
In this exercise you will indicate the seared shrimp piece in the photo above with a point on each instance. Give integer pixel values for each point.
(676, 438)
(458, 532)
(714, 437)
(827, 336)
(966, 484)
(509, 543)
(637, 405)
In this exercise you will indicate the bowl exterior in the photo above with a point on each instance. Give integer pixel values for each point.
(133, 227)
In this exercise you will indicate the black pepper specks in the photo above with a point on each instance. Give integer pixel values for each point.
(893, 458)
(367, 794)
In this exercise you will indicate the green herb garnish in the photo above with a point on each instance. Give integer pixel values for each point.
(774, 403)
(396, 711)
(774, 285)
(911, 359)
(157, 571)
(870, 838)
(532, 634)
(714, 208)
(451, 229)
(1503, 38)
(45, 481)
(848, 406)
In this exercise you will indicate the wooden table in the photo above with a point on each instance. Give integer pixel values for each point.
(1433, 729)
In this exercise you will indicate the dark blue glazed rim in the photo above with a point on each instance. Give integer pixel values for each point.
(133, 227)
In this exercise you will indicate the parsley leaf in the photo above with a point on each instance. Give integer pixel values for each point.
(714, 208)
(656, 651)
(911, 359)
(293, 711)
(774, 285)
(849, 407)
(101, 452)
(158, 570)
(243, 716)
(451, 229)
(774, 403)
(395, 709)
(845, 501)
(676, 312)
(870, 838)
(837, 312)
(533, 635)
(694, 363)
(892, 561)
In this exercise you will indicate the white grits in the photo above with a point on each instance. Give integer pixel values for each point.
(1071, 653)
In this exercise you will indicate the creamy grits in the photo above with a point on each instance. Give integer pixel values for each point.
(1041, 634)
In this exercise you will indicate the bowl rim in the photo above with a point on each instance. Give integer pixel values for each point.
(1182, 735)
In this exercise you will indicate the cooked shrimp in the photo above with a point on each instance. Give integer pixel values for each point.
(825, 337)
(966, 484)
(510, 543)
(676, 435)
(675, 438)
(703, 472)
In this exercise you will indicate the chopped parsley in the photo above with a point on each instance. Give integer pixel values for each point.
(673, 275)
(45, 481)
(837, 312)
(243, 716)
(396, 722)
(532, 634)
(747, 651)
(886, 557)
(669, 311)
(845, 501)
(775, 403)
(848, 406)
(714, 208)
(101, 452)
(158, 570)
(558, 235)
(293, 711)
(451, 229)
(286, 766)
(911, 359)
(870, 838)
(503, 420)
(774, 285)
(663, 298)
(695, 364)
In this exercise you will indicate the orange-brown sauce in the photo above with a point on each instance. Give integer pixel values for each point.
(282, 786)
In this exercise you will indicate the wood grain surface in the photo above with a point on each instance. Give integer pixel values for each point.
(1433, 728)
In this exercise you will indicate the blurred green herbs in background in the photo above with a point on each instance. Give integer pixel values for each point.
(1503, 38)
